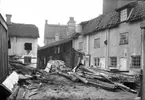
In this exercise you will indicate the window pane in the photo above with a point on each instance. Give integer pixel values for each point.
(97, 43)
(113, 61)
(124, 38)
(28, 46)
(81, 46)
(96, 61)
(136, 61)
(123, 15)
(27, 60)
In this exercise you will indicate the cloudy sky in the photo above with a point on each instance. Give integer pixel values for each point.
(55, 11)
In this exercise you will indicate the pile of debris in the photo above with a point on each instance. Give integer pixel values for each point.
(86, 75)
(56, 65)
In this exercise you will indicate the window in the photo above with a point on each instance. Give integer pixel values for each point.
(55, 50)
(123, 15)
(97, 43)
(113, 61)
(136, 61)
(81, 46)
(9, 43)
(27, 60)
(58, 49)
(96, 61)
(123, 38)
(28, 46)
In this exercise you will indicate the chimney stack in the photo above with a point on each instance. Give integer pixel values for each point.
(8, 18)
(46, 21)
(71, 25)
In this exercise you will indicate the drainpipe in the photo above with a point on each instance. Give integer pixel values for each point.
(87, 48)
(107, 48)
(143, 60)
(87, 44)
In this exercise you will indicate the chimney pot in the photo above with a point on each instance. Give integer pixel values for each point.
(8, 18)
(71, 18)
(46, 21)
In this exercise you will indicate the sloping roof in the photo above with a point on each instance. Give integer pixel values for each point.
(3, 22)
(138, 12)
(51, 30)
(112, 19)
(23, 30)
(102, 22)
(55, 43)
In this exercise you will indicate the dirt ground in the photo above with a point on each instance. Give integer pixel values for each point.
(60, 88)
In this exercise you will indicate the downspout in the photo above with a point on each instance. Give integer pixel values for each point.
(87, 40)
(107, 48)
(88, 50)
(142, 76)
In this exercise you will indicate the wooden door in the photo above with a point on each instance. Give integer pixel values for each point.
(102, 63)
(123, 64)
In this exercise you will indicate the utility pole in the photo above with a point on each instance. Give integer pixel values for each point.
(142, 26)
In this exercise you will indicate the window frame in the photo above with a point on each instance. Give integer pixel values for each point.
(123, 15)
(26, 59)
(134, 63)
(80, 46)
(126, 36)
(113, 65)
(26, 44)
(97, 61)
(96, 45)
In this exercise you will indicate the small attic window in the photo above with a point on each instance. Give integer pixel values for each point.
(123, 15)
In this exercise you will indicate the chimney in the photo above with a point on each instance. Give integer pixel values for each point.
(71, 25)
(78, 28)
(8, 18)
(46, 21)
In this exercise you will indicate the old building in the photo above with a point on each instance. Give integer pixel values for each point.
(113, 40)
(56, 32)
(60, 47)
(23, 41)
(59, 50)
(3, 49)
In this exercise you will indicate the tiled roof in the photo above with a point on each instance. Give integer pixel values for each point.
(23, 30)
(102, 22)
(51, 30)
(138, 12)
(112, 19)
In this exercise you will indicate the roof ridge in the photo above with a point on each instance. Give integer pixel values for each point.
(60, 25)
(23, 24)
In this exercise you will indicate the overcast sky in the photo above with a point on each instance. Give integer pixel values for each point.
(55, 11)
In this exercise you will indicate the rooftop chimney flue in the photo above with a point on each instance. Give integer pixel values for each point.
(8, 18)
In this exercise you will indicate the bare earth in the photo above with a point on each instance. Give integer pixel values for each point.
(60, 88)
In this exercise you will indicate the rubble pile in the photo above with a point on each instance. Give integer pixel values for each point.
(32, 80)
(57, 65)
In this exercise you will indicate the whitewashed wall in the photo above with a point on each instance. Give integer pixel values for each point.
(17, 48)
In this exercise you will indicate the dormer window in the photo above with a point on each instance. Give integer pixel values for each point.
(123, 15)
